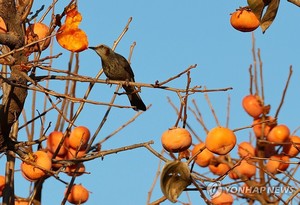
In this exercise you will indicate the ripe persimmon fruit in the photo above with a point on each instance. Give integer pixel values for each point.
(278, 134)
(32, 172)
(57, 157)
(220, 140)
(202, 159)
(244, 20)
(262, 128)
(73, 153)
(37, 31)
(246, 149)
(53, 141)
(252, 104)
(245, 168)
(293, 148)
(2, 184)
(176, 139)
(277, 162)
(79, 137)
(78, 194)
(71, 170)
(219, 169)
(222, 199)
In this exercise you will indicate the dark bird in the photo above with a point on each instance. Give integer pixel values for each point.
(116, 67)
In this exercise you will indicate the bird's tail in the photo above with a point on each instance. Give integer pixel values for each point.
(134, 98)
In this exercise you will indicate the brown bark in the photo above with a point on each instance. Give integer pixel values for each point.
(14, 88)
(15, 92)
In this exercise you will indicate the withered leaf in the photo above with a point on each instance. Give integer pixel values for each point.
(270, 15)
(258, 7)
(175, 177)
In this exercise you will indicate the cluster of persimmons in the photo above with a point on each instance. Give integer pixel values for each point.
(39, 163)
(220, 141)
(69, 35)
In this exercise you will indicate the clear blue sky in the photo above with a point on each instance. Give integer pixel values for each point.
(171, 36)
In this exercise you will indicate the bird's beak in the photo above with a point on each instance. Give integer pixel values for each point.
(91, 47)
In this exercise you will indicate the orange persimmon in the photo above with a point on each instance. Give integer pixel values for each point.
(78, 194)
(252, 104)
(222, 199)
(32, 172)
(176, 139)
(220, 140)
(293, 148)
(279, 133)
(277, 163)
(244, 20)
(53, 141)
(37, 31)
(79, 138)
(245, 149)
(202, 159)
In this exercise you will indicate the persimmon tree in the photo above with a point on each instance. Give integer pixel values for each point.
(65, 146)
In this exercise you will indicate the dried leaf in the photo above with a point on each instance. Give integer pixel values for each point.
(270, 15)
(175, 177)
(257, 6)
(266, 19)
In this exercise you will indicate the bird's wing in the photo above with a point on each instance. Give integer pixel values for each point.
(127, 67)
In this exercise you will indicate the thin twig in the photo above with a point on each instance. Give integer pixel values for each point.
(154, 180)
(212, 109)
(176, 76)
(116, 42)
(284, 92)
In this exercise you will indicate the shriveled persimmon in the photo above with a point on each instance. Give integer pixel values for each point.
(245, 149)
(35, 32)
(78, 194)
(69, 35)
(40, 159)
(292, 149)
(252, 104)
(278, 134)
(202, 159)
(244, 20)
(176, 139)
(223, 198)
(53, 142)
(79, 137)
(220, 140)
(277, 163)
